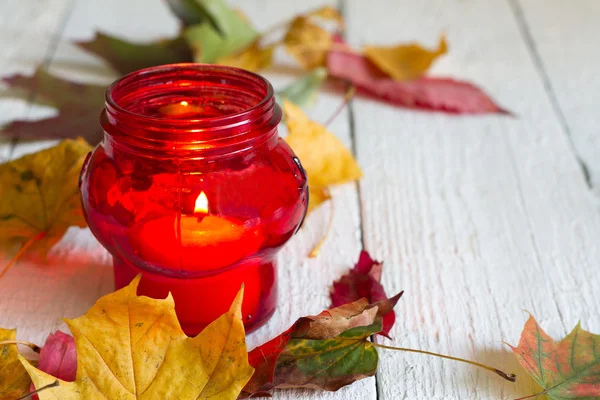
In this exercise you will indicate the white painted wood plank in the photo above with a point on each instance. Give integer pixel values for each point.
(477, 218)
(81, 270)
(564, 37)
(27, 29)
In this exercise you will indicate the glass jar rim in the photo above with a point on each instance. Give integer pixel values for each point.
(230, 132)
(181, 67)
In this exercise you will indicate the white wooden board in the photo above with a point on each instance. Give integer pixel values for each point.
(477, 218)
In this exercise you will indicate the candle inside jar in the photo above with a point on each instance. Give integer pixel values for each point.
(198, 241)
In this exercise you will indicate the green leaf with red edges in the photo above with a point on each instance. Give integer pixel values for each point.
(79, 105)
(329, 339)
(126, 57)
(569, 369)
(328, 364)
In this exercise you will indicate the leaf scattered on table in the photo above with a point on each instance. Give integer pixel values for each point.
(208, 45)
(58, 357)
(253, 58)
(192, 12)
(14, 380)
(363, 281)
(307, 41)
(324, 157)
(569, 369)
(429, 93)
(126, 57)
(304, 89)
(405, 61)
(131, 346)
(40, 197)
(322, 351)
(79, 107)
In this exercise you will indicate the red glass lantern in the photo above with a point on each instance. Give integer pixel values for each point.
(193, 188)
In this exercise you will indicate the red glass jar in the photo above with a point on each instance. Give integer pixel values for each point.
(193, 188)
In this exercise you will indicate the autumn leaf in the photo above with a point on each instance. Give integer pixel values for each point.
(14, 380)
(428, 93)
(325, 159)
(253, 58)
(126, 57)
(79, 107)
(304, 89)
(363, 281)
(192, 12)
(569, 369)
(40, 196)
(58, 356)
(131, 346)
(405, 61)
(300, 356)
(307, 42)
(209, 45)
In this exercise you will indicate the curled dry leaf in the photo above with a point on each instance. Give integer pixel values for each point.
(326, 160)
(40, 196)
(436, 94)
(58, 356)
(253, 58)
(326, 351)
(14, 380)
(126, 57)
(79, 105)
(363, 281)
(131, 346)
(307, 41)
(405, 61)
(569, 369)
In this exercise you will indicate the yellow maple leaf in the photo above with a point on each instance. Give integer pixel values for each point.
(405, 62)
(253, 58)
(132, 347)
(40, 196)
(308, 42)
(14, 380)
(324, 157)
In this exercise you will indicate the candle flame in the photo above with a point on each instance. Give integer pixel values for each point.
(201, 204)
(184, 103)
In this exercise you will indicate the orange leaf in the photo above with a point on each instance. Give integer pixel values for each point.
(405, 62)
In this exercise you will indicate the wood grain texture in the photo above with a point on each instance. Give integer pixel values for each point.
(34, 298)
(562, 40)
(477, 218)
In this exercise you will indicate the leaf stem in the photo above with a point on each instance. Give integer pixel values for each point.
(315, 251)
(51, 385)
(350, 92)
(32, 346)
(31, 241)
(508, 377)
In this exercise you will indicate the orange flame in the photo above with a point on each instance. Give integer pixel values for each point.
(201, 204)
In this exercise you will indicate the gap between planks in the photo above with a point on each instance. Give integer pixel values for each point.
(530, 43)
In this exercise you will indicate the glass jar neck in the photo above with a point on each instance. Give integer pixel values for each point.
(189, 110)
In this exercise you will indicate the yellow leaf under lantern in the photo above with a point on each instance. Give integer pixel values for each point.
(132, 347)
(324, 157)
(14, 380)
(40, 196)
(253, 58)
(405, 62)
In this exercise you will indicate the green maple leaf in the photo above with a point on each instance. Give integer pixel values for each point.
(569, 369)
